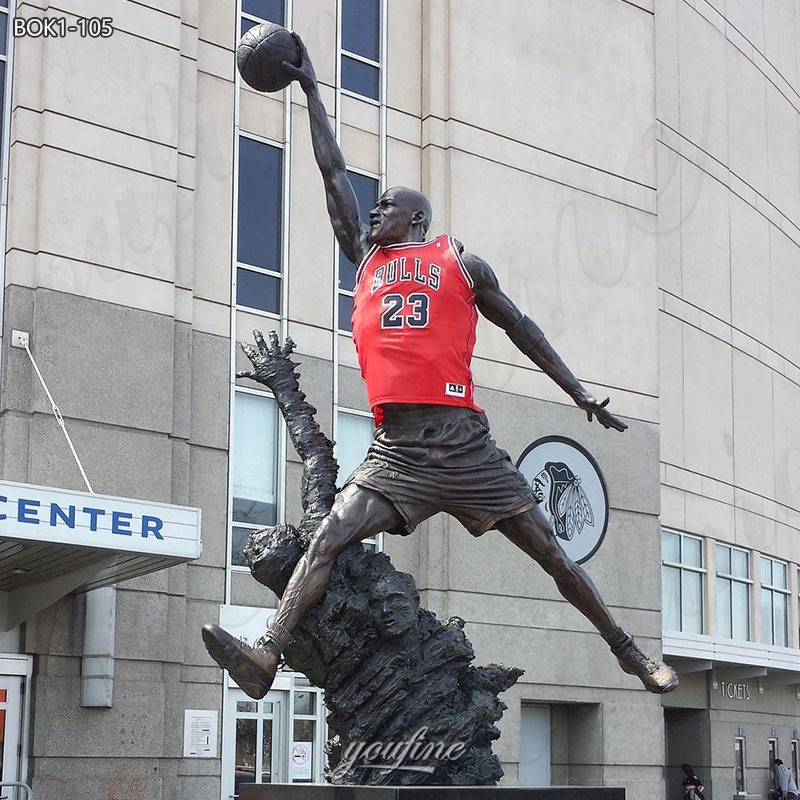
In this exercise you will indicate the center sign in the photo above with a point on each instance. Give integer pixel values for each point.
(60, 516)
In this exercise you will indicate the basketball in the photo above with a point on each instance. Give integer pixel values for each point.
(261, 52)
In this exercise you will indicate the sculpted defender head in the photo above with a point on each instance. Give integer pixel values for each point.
(400, 215)
(395, 604)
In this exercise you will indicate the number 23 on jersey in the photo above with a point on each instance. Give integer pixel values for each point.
(400, 311)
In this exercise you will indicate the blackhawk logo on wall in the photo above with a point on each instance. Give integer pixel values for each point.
(570, 490)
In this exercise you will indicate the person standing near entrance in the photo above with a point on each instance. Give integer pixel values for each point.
(693, 788)
(784, 781)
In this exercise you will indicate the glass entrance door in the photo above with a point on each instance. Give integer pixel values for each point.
(275, 740)
(256, 740)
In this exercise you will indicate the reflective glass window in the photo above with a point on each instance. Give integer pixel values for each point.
(353, 438)
(361, 78)
(258, 290)
(255, 459)
(361, 27)
(671, 599)
(268, 10)
(345, 312)
(366, 191)
(671, 547)
(259, 208)
(733, 593)
(774, 602)
(361, 57)
(682, 583)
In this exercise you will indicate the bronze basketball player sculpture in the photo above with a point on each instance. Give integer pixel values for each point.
(405, 705)
(414, 327)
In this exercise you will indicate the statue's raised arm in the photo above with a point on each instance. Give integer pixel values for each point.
(339, 194)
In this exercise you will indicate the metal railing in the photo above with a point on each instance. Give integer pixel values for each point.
(19, 785)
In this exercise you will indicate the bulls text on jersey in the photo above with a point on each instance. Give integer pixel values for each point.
(396, 270)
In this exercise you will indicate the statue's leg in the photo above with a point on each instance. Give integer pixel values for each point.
(533, 534)
(357, 513)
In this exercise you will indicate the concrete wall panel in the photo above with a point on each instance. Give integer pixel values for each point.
(754, 459)
(593, 58)
(708, 426)
(702, 70)
(751, 292)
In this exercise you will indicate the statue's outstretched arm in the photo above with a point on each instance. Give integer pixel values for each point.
(526, 335)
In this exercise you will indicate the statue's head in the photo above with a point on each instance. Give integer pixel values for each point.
(400, 215)
(395, 604)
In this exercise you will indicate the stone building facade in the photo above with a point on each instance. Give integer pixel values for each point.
(631, 171)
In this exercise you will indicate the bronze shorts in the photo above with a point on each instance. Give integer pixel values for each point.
(442, 458)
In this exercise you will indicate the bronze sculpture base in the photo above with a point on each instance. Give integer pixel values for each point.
(301, 791)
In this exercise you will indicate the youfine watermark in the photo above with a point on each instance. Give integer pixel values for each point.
(403, 755)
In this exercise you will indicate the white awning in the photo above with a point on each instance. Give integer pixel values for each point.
(57, 541)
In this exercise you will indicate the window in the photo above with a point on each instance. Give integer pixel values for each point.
(738, 763)
(774, 602)
(254, 743)
(279, 739)
(360, 65)
(304, 731)
(6, 43)
(366, 189)
(257, 11)
(794, 758)
(4, 66)
(772, 747)
(254, 468)
(733, 593)
(259, 226)
(353, 437)
(682, 582)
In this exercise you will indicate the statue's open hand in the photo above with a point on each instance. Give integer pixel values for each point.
(269, 360)
(304, 73)
(594, 407)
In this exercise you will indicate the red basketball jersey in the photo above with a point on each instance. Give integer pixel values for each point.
(414, 321)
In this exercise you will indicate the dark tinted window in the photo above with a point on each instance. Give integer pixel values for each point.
(270, 10)
(3, 54)
(256, 290)
(240, 537)
(259, 208)
(347, 273)
(361, 27)
(366, 190)
(360, 78)
(345, 312)
(246, 25)
(2, 100)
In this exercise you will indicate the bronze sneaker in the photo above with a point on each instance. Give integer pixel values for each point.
(250, 668)
(656, 676)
